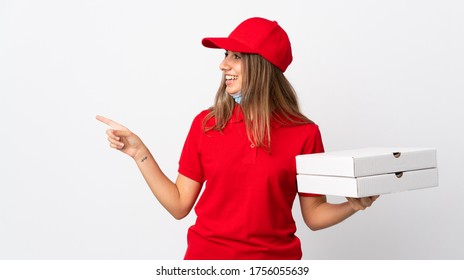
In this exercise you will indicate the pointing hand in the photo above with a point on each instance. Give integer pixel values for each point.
(121, 138)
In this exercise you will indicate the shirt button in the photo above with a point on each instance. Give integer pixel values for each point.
(252, 146)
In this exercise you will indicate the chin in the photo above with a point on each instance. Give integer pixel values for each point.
(232, 91)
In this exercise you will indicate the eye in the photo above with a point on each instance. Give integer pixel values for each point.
(226, 54)
(236, 56)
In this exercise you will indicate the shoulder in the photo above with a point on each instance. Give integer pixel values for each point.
(296, 123)
(307, 134)
(199, 118)
(301, 130)
(306, 130)
(313, 143)
(295, 119)
(312, 128)
(309, 129)
(202, 122)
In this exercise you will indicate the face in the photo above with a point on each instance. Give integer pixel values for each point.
(231, 66)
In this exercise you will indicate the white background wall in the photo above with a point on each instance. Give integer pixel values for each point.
(370, 73)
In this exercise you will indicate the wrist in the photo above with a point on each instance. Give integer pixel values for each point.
(141, 154)
(355, 204)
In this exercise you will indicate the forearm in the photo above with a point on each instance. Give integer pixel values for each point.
(165, 190)
(319, 214)
(328, 214)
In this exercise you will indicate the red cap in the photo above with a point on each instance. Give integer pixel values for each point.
(258, 36)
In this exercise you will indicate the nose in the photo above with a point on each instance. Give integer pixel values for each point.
(224, 66)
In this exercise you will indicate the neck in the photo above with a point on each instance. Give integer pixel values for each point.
(236, 96)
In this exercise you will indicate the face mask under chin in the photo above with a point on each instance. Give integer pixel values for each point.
(237, 97)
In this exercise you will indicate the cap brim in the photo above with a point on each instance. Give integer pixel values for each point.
(227, 44)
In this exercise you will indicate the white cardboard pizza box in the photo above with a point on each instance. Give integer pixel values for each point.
(368, 171)
(368, 185)
(366, 161)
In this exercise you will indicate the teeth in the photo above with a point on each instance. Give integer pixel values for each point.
(230, 77)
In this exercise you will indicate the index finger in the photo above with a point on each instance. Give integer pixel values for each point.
(109, 122)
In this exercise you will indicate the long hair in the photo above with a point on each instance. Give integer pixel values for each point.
(266, 93)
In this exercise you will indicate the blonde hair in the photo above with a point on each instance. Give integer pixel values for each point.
(266, 93)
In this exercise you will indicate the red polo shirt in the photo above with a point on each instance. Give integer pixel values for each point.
(245, 210)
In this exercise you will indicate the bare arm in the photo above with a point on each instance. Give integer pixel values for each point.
(319, 214)
(179, 197)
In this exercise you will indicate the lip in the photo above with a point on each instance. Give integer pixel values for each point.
(231, 80)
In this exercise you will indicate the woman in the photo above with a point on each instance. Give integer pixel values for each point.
(244, 148)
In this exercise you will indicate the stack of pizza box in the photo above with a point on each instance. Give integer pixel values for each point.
(367, 172)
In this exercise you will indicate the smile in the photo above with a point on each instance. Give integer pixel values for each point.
(231, 77)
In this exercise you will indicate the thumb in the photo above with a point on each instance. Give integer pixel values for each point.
(122, 133)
